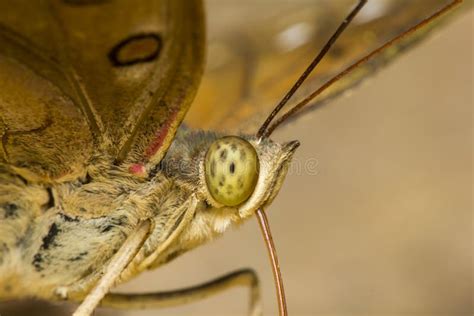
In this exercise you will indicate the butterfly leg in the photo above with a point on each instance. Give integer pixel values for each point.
(244, 277)
(117, 264)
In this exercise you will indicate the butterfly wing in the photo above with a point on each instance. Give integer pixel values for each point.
(251, 66)
(94, 78)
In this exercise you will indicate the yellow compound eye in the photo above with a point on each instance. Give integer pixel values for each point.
(231, 169)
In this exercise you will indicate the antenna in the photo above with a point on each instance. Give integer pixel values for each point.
(363, 60)
(261, 132)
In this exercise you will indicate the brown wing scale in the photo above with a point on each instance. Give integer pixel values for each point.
(105, 78)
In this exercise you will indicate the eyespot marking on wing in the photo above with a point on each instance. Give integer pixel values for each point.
(136, 49)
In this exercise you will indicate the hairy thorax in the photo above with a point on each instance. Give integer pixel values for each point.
(60, 237)
(56, 240)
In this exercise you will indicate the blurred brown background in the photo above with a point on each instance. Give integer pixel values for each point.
(384, 225)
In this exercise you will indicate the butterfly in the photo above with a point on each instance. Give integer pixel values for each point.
(109, 143)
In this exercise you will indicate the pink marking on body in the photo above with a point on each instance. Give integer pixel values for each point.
(160, 136)
(137, 169)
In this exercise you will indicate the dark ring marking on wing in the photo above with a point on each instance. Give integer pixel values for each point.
(139, 48)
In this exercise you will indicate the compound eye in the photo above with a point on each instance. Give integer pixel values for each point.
(231, 169)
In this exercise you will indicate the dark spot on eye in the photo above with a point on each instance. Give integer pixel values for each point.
(136, 49)
(10, 209)
(223, 154)
(232, 167)
(240, 182)
(216, 191)
(83, 210)
(213, 168)
(221, 184)
(222, 179)
(233, 147)
(243, 155)
(218, 147)
(229, 188)
(48, 240)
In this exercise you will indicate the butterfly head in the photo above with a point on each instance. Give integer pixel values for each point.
(244, 173)
(237, 173)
